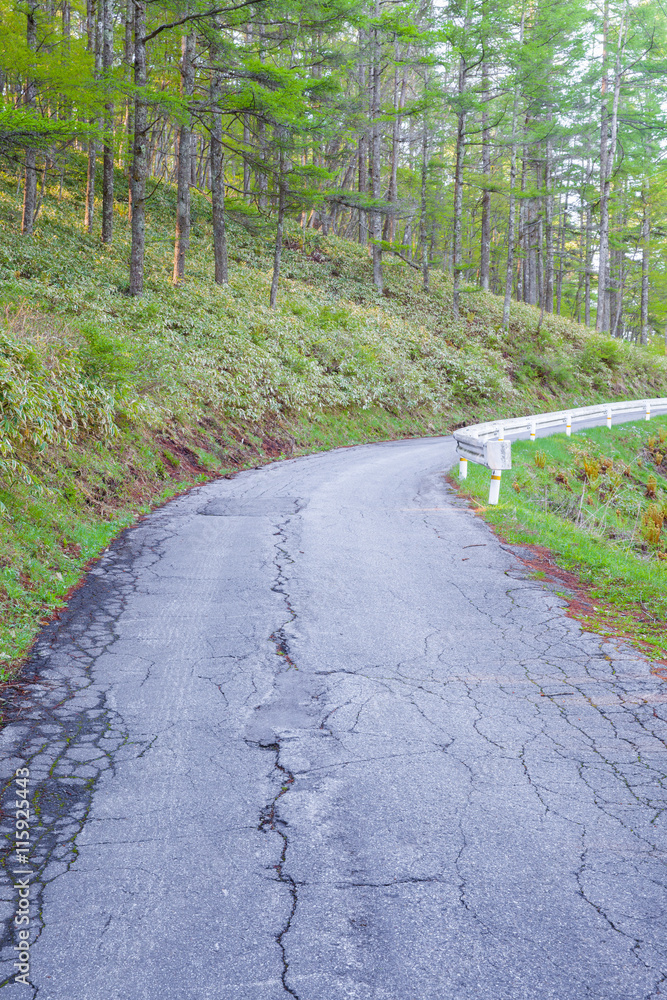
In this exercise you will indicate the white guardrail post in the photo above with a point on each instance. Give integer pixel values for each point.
(494, 488)
(485, 444)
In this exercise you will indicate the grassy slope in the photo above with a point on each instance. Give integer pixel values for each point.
(110, 404)
(598, 502)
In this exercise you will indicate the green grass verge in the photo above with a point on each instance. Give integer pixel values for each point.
(598, 502)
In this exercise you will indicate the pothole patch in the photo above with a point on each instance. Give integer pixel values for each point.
(253, 507)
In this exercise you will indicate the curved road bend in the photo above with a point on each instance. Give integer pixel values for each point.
(313, 733)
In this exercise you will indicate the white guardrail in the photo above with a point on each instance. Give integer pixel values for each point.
(487, 444)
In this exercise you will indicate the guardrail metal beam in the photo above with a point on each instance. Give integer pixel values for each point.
(485, 443)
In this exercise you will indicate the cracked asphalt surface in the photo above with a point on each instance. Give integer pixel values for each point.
(313, 733)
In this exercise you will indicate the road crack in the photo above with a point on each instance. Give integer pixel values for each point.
(270, 821)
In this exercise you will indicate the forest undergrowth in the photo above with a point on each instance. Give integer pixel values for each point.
(109, 404)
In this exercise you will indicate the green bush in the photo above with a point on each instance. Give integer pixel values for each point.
(601, 355)
(45, 399)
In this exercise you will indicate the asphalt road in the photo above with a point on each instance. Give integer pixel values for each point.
(313, 732)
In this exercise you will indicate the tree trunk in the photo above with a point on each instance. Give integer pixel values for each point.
(530, 240)
(562, 215)
(602, 315)
(108, 164)
(67, 24)
(607, 151)
(128, 59)
(29, 193)
(42, 187)
(246, 162)
(247, 135)
(458, 184)
(94, 23)
(66, 11)
(617, 296)
(362, 146)
(523, 211)
(407, 239)
(30, 180)
(509, 274)
(376, 219)
(277, 253)
(139, 152)
(399, 104)
(587, 282)
(184, 160)
(485, 249)
(218, 180)
(458, 205)
(261, 172)
(539, 240)
(646, 238)
(548, 298)
(392, 187)
(422, 212)
(194, 145)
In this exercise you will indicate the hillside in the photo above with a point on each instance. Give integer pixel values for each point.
(111, 404)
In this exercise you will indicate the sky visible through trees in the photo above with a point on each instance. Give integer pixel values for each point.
(517, 144)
